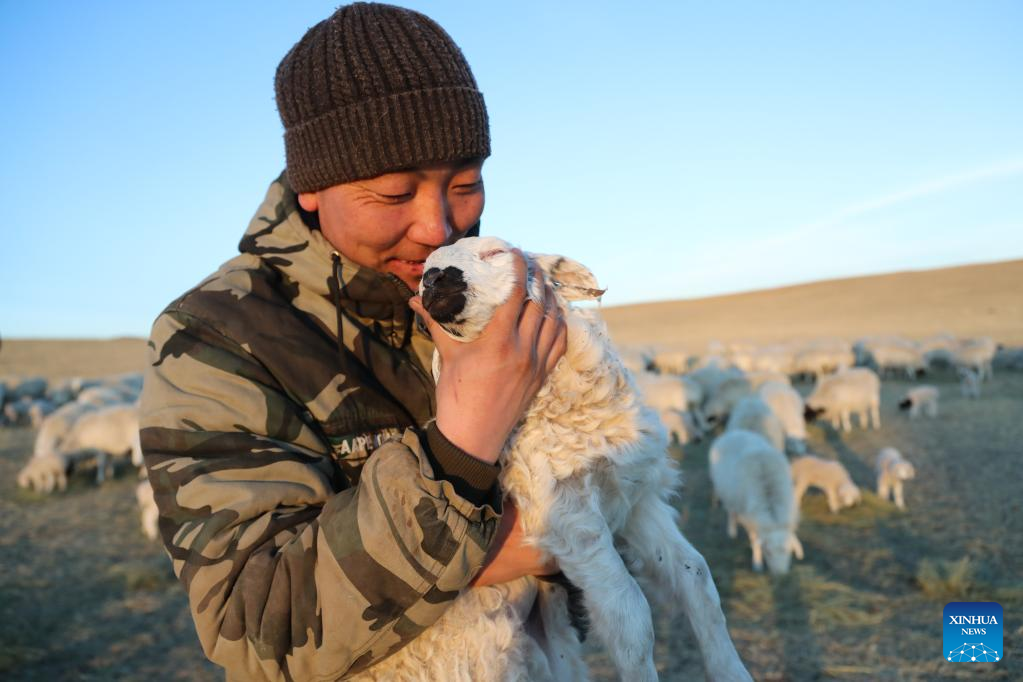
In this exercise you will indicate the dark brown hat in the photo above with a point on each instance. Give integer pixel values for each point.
(374, 89)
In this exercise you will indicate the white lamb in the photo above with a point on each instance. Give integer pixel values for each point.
(751, 413)
(670, 361)
(753, 482)
(722, 401)
(892, 470)
(104, 433)
(829, 476)
(682, 426)
(978, 355)
(852, 391)
(920, 400)
(788, 406)
(589, 472)
(44, 474)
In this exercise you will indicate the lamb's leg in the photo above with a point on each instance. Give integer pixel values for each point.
(578, 537)
(875, 415)
(733, 530)
(798, 490)
(846, 420)
(882, 487)
(758, 550)
(833, 504)
(897, 489)
(681, 576)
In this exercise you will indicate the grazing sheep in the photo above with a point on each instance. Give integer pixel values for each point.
(16, 412)
(978, 355)
(890, 358)
(969, 382)
(829, 476)
(852, 391)
(820, 360)
(589, 473)
(1009, 358)
(753, 414)
(758, 378)
(670, 361)
(39, 410)
(669, 392)
(44, 474)
(149, 515)
(753, 481)
(682, 426)
(722, 401)
(109, 431)
(32, 388)
(920, 399)
(636, 360)
(787, 405)
(892, 470)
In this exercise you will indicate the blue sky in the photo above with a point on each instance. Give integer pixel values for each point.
(679, 149)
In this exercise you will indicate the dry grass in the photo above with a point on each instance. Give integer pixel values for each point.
(946, 580)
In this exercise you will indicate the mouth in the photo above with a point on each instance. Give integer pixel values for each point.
(406, 268)
(444, 293)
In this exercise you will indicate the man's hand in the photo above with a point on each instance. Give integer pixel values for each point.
(508, 558)
(486, 384)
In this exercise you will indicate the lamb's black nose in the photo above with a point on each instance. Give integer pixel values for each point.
(444, 293)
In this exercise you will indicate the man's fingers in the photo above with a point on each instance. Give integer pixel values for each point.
(440, 338)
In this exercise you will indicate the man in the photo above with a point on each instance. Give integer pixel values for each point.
(322, 501)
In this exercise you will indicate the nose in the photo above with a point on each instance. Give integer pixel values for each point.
(432, 225)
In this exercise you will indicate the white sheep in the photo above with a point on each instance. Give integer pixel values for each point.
(751, 413)
(976, 354)
(788, 406)
(722, 400)
(758, 378)
(105, 433)
(682, 426)
(669, 392)
(149, 514)
(892, 469)
(753, 481)
(670, 361)
(899, 357)
(831, 477)
(852, 391)
(589, 472)
(920, 400)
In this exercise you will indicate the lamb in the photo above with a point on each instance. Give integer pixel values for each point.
(753, 414)
(682, 426)
(899, 357)
(722, 401)
(590, 475)
(978, 355)
(108, 431)
(892, 470)
(44, 474)
(676, 401)
(829, 476)
(852, 391)
(670, 361)
(920, 399)
(787, 405)
(753, 481)
(149, 514)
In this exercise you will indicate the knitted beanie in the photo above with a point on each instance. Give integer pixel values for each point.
(375, 89)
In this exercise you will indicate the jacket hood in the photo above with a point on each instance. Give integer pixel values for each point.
(288, 240)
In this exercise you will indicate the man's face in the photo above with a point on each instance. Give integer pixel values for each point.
(392, 222)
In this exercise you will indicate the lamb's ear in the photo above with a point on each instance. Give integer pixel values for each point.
(572, 279)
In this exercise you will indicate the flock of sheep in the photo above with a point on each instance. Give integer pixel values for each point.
(80, 423)
(758, 462)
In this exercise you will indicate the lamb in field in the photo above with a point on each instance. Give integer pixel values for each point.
(753, 414)
(977, 355)
(44, 474)
(920, 400)
(590, 476)
(969, 382)
(788, 406)
(852, 391)
(892, 470)
(753, 481)
(105, 433)
(829, 476)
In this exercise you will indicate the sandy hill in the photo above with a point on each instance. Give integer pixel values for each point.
(970, 300)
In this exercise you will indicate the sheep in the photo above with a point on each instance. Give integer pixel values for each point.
(758, 378)
(636, 360)
(670, 361)
(852, 391)
(587, 467)
(753, 481)
(978, 355)
(107, 431)
(820, 360)
(831, 477)
(920, 399)
(969, 382)
(669, 392)
(1009, 358)
(44, 474)
(720, 403)
(39, 410)
(32, 388)
(892, 469)
(149, 514)
(899, 357)
(753, 414)
(682, 426)
(788, 406)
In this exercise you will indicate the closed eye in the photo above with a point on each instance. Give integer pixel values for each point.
(487, 255)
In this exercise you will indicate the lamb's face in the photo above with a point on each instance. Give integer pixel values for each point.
(848, 494)
(777, 550)
(465, 282)
(903, 471)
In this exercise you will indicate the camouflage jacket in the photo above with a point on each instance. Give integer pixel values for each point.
(314, 527)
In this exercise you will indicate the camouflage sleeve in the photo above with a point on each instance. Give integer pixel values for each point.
(286, 578)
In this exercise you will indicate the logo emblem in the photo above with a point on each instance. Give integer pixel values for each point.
(972, 632)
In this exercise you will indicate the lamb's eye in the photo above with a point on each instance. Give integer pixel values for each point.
(487, 255)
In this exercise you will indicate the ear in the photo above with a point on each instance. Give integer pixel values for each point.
(309, 201)
(570, 278)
